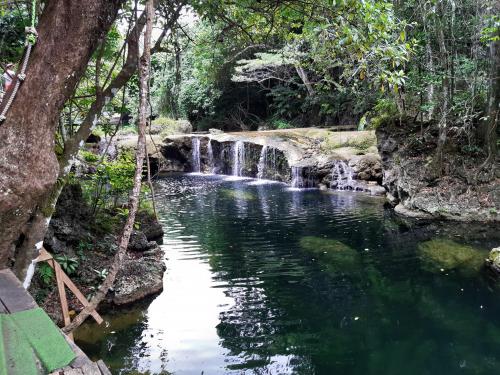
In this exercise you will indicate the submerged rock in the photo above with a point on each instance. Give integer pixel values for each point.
(238, 194)
(337, 255)
(442, 255)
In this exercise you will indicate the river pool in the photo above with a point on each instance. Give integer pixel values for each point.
(264, 279)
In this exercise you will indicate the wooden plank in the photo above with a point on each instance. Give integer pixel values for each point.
(81, 297)
(62, 294)
(102, 366)
(44, 253)
(13, 296)
(44, 256)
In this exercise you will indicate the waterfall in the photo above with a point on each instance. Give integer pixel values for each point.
(210, 153)
(261, 167)
(238, 158)
(298, 180)
(343, 175)
(196, 155)
(273, 164)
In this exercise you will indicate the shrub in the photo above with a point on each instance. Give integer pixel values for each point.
(88, 156)
(281, 124)
(167, 126)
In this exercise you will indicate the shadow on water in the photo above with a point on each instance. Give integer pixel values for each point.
(264, 280)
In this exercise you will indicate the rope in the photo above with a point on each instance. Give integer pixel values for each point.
(31, 36)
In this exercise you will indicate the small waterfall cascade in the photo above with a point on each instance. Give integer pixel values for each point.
(261, 167)
(210, 154)
(343, 175)
(196, 157)
(298, 180)
(272, 162)
(238, 158)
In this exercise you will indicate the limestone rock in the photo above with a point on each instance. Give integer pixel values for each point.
(493, 261)
(138, 242)
(137, 279)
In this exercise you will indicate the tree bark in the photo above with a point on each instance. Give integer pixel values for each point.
(144, 71)
(305, 79)
(69, 31)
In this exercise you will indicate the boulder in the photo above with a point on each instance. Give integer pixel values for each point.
(493, 260)
(138, 242)
(138, 278)
(367, 167)
(150, 226)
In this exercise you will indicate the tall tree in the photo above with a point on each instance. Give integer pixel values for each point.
(68, 33)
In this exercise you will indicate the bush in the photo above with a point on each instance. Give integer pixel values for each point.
(384, 111)
(281, 124)
(167, 126)
(88, 156)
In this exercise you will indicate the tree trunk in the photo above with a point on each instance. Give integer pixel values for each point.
(445, 104)
(491, 123)
(305, 79)
(144, 69)
(69, 32)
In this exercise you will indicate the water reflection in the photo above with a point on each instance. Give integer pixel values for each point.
(263, 280)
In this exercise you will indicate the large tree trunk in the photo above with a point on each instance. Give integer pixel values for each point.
(69, 31)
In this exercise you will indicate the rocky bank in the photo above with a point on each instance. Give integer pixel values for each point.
(75, 235)
(461, 192)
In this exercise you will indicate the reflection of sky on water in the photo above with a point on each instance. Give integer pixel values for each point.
(181, 334)
(182, 320)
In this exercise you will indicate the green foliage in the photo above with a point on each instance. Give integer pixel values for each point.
(166, 126)
(69, 265)
(88, 156)
(83, 248)
(385, 111)
(12, 36)
(46, 273)
(111, 182)
(491, 33)
(281, 124)
(102, 274)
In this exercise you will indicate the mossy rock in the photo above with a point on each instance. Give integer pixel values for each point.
(238, 194)
(335, 254)
(442, 255)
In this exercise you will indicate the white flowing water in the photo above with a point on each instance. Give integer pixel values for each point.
(238, 158)
(210, 153)
(196, 155)
(261, 167)
(344, 175)
(298, 179)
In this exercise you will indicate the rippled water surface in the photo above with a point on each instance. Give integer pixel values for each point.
(262, 279)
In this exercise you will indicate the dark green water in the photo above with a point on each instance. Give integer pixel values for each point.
(264, 280)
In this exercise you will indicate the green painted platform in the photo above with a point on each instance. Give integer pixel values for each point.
(30, 343)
